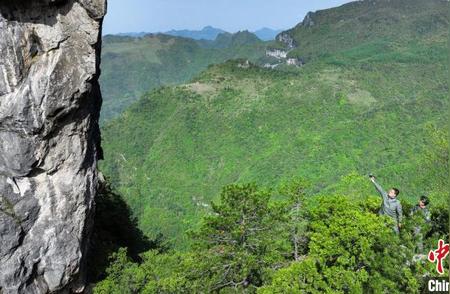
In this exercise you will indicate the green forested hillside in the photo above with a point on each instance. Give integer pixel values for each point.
(366, 109)
(394, 25)
(371, 98)
(132, 66)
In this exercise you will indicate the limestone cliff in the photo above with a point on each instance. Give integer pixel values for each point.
(49, 141)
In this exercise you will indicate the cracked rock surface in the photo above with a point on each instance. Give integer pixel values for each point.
(49, 141)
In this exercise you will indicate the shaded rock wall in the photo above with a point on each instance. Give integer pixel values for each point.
(49, 140)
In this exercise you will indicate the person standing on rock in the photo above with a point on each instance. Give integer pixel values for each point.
(390, 206)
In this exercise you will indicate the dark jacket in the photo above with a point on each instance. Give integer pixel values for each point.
(390, 207)
(426, 213)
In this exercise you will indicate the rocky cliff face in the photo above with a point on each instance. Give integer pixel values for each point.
(309, 19)
(286, 39)
(49, 141)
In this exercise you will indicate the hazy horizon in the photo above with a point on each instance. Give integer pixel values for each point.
(201, 28)
(229, 15)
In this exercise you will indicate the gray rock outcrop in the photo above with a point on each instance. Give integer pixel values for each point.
(287, 40)
(49, 141)
(309, 19)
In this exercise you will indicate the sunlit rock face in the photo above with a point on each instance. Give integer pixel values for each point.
(49, 141)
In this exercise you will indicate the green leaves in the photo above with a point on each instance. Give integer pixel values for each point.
(295, 242)
(124, 276)
(236, 242)
(351, 250)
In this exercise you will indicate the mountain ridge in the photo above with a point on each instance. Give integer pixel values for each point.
(209, 33)
(357, 22)
(158, 59)
(352, 108)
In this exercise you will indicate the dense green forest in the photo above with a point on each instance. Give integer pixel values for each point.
(400, 23)
(170, 153)
(372, 97)
(132, 66)
(285, 240)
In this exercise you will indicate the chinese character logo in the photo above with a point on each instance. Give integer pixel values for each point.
(438, 255)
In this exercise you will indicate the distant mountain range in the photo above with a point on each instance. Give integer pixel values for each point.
(267, 34)
(208, 33)
(132, 66)
(132, 34)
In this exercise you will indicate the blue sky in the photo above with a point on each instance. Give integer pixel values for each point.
(230, 15)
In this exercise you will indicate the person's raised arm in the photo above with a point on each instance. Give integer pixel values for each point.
(378, 187)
